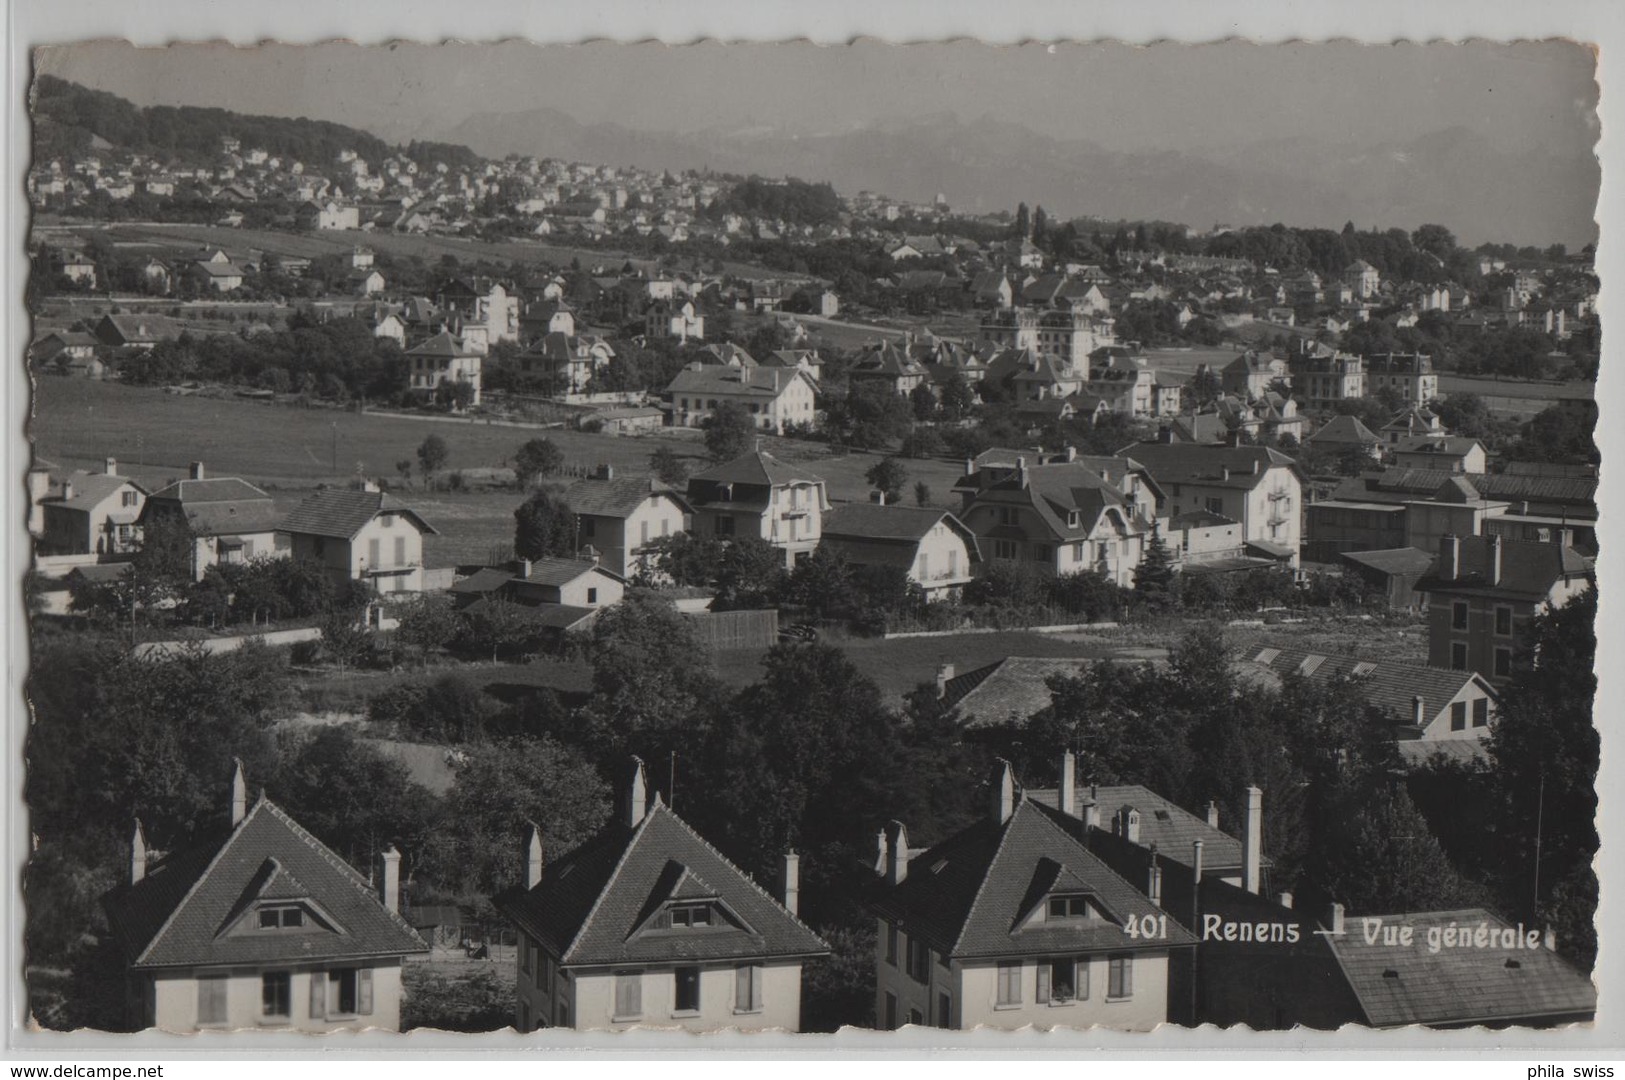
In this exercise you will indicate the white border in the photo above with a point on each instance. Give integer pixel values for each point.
(38, 22)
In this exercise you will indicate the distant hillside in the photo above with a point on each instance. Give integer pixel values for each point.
(69, 118)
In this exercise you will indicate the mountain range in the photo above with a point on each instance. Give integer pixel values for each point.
(1454, 177)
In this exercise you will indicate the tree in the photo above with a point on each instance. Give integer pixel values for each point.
(888, 475)
(750, 574)
(729, 431)
(432, 455)
(668, 468)
(1040, 225)
(536, 458)
(1156, 570)
(1023, 222)
(499, 789)
(426, 623)
(684, 558)
(344, 639)
(923, 402)
(922, 493)
(544, 526)
(1387, 860)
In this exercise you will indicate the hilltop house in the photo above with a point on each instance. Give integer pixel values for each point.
(647, 923)
(620, 517)
(1484, 593)
(92, 513)
(1012, 922)
(228, 520)
(1257, 486)
(774, 397)
(937, 550)
(263, 927)
(364, 535)
(1451, 453)
(756, 494)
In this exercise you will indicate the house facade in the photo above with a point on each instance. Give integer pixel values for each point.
(364, 535)
(1012, 922)
(92, 513)
(774, 397)
(229, 520)
(444, 358)
(758, 495)
(1257, 486)
(620, 517)
(937, 550)
(1410, 375)
(647, 925)
(263, 929)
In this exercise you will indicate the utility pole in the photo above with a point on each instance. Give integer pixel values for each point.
(671, 781)
(1540, 810)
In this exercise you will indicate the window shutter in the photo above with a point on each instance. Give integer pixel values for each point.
(1080, 976)
(742, 988)
(318, 995)
(211, 999)
(363, 991)
(1043, 983)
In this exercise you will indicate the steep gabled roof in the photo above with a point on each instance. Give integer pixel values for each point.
(618, 498)
(759, 468)
(593, 905)
(1390, 686)
(91, 488)
(554, 571)
(223, 506)
(443, 346)
(1173, 463)
(1163, 823)
(178, 915)
(335, 512)
(1345, 431)
(1010, 689)
(969, 896)
(872, 521)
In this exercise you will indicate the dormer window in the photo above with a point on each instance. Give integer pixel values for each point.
(691, 916)
(291, 917)
(1074, 518)
(1069, 906)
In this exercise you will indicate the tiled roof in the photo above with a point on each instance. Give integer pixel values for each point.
(1174, 463)
(225, 506)
(485, 580)
(593, 904)
(1390, 686)
(618, 498)
(872, 521)
(970, 896)
(1397, 985)
(91, 488)
(1418, 752)
(1406, 560)
(759, 468)
(339, 513)
(1345, 430)
(766, 383)
(1442, 445)
(1529, 569)
(1163, 823)
(555, 571)
(1010, 689)
(1057, 489)
(180, 913)
(442, 346)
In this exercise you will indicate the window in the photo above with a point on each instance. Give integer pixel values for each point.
(1004, 549)
(1503, 663)
(284, 918)
(1058, 981)
(915, 1017)
(688, 989)
(374, 551)
(1215, 506)
(544, 972)
(891, 945)
(891, 1011)
(628, 995)
(211, 999)
(525, 950)
(1009, 982)
(524, 1015)
(1458, 716)
(748, 988)
(400, 551)
(1503, 621)
(1458, 656)
(1120, 977)
(1481, 712)
(1458, 615)
(592, 596)
(945, 1011)
(128, 498)
(276, 993)
(690, 915)
(343, 990)
(919, 960)
(1068, 907)
(725, 526)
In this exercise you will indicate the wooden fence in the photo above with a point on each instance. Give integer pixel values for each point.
(736, 629)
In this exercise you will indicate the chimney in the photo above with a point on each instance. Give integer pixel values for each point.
(970, 466)
(239, 793)
(67, 490)
(110, 466)
(1129, 824)
(533, 857)
(882, 852)
(195, 472)
(524, 568)
(1196, 861)
(1021, 472)
(635, 800)
(1335, 917)
(1068, 785)
(1003, 796)
(1153, 885)
(790, 882)
(1252, 840)
(1255, 466)
(1449, 557)
(1091, 813)
(896, 853)
(138, 854)
(389, 885)
(1225, 472)
(1071, 452)
(877, 497)
(1418, 711)
(1212, 814)
(606, 471)
(1286, 900)
(945, 675)
(1495, 558)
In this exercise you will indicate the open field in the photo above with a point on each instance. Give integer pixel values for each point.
(289, 450)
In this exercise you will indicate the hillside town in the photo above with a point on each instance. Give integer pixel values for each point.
(741, 605)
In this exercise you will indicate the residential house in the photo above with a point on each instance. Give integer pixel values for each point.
(92, 513)
(1411, 423)
(1517, 504)
(444, 359)
(890, 364)
(756, 494)
(619, 517)
(366, 282)
(678, 319)
(132, 331)
(1062, 515)
(1429, 704)
(1484, 594)
(228, 519)
(1324, 378)
(1363, 278)
(1410, 375)
(68, 352)
(1394, 572)
(567, 361)
(934, 548)
(1007, 691)
(1255, 485)
(992, 288)
(1012, 922)
(78, 268)
(1347, 435)
(646, 923)
(221, 276)
(366, 535)
(328, 215)
(260, 928)
(1252, 374)
(775, 398)
(1454, 454)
